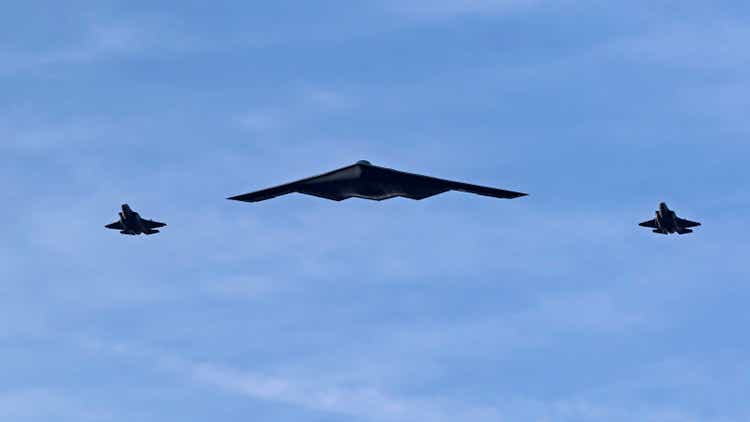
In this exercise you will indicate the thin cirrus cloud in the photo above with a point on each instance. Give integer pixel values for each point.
(100, 40)
(441, 9)
(697, 45)
(301, 106)
(97, 43)
(354, 399)
(38, 404)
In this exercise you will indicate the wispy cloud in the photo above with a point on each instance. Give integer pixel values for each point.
(105, 40)
(368, 402)
(44, 405)
(365, 403)
(362, 403)
(298, 107)
(440, 9)
(29, 132)
(710, 56)
(714, 45)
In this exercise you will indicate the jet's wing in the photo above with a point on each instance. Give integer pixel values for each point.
(150, 224)
(115, 226)
(687, 223)
(650, 223)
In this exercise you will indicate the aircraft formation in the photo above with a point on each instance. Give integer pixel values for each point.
(367, 181)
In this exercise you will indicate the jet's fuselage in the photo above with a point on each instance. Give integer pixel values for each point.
(131, 220)
(666, 219)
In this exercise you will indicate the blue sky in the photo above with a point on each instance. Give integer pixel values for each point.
(555, 307)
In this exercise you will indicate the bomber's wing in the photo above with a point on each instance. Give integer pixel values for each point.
(687, 223)
(115, 226)
(269, 193)
(297, 186)
(485, 190)
(650, 223)
(420, 186)
(151, 224)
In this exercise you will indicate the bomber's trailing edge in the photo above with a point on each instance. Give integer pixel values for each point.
(367, 181)
(131, 223)
(667, 222)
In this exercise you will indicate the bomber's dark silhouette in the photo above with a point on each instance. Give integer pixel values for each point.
(131, 223)
(364, 180)
(667, 222)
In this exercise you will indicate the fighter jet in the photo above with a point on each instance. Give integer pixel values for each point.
(667, 222)
(131, 223)
(367, 181)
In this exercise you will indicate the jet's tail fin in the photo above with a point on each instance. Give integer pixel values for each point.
(659, 231)
(684, 231)
(151, 231)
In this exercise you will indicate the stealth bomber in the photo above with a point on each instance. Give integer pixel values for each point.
(368, 181)
(667, 222)
(131, 223)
